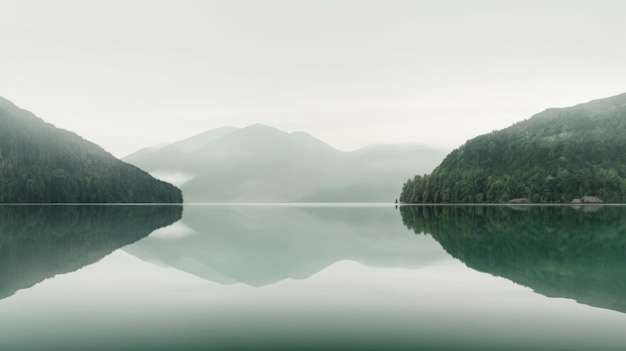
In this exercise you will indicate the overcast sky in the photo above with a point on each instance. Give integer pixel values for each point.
(133, 73)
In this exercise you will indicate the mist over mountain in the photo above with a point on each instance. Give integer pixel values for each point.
(42, 163)
(263, 164)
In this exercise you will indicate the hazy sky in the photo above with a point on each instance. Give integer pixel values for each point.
(128, 74)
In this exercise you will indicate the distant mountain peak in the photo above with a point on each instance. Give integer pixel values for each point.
(263, 163)
(260, 126)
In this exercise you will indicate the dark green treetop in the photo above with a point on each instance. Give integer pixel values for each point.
(557, 156)
(40, 163)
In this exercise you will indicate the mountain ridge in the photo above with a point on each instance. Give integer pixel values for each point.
(40, 163)
(259, 163)
(559, 155)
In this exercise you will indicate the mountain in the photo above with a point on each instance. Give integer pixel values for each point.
(263, 164)
(41, 163)
(40, 241)
(558, 251)
(559, 155)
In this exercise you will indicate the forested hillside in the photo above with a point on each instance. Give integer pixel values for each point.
(559, 155)
(41, 163)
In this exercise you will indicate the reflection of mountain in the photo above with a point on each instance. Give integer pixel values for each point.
(264, 164)
(39, 242)
(556, 251)
(260, 245)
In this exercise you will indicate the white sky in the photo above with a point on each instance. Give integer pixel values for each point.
(133, 73)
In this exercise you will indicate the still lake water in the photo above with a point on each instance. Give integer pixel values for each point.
(368, 277)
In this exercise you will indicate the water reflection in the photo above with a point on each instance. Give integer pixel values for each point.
(261, 245)
(39, 242)
(575, 253)
(127, 303)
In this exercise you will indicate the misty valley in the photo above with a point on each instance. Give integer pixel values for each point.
(255, 238)
(312, 276)
(312, 175)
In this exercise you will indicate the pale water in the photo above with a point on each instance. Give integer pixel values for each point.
(309, 277)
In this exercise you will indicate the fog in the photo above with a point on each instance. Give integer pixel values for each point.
(132, 74)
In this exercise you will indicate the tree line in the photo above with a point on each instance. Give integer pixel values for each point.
(554, 157)
(41, 163)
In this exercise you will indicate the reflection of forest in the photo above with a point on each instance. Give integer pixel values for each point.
(39, 242)
(556, 251)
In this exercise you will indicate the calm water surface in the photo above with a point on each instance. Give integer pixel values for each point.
(312, 277)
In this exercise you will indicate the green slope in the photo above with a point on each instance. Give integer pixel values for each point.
(41, 163)
(558, 155)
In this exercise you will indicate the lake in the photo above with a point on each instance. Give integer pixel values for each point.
(312, 277)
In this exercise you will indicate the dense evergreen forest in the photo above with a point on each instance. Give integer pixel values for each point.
(40, 163)
(557, 156)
